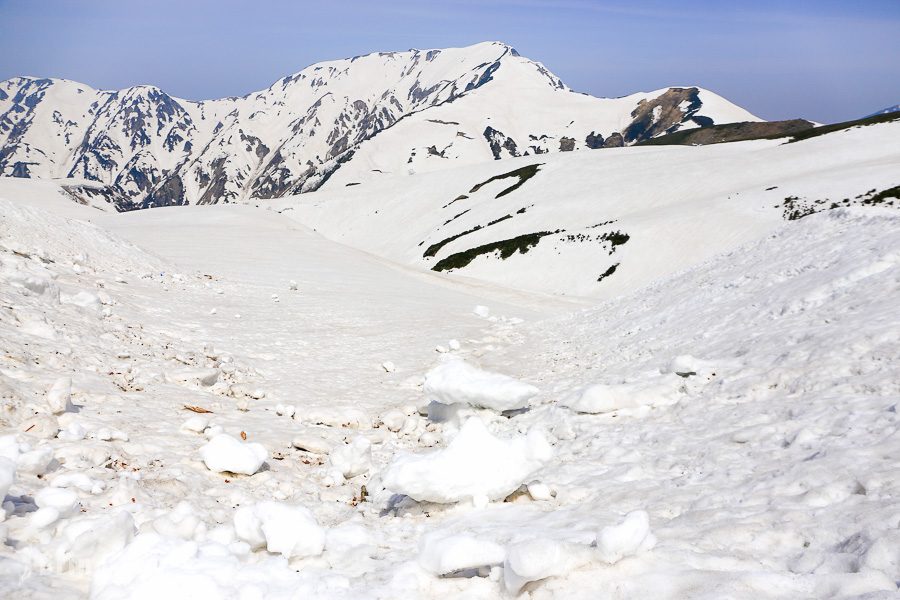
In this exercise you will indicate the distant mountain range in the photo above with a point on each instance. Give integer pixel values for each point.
(335, 123)
(885, 111)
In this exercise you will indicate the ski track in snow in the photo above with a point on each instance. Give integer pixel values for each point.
(728, 431)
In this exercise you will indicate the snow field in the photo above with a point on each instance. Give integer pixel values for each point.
(742, 425)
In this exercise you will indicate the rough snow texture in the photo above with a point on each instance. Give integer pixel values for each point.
(774, 475)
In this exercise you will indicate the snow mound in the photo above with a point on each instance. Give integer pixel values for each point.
(291, 531)
(154, 566)
(628, 538)
(352, 459)
(603, 398)
(84, 542)
(457, 382)
(475, 466)
(223, 453)
(537, 559)
(441, 553)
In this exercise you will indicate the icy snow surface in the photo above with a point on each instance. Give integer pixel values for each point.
(729, 429)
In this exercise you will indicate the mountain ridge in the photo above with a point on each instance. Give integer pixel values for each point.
(357, 117)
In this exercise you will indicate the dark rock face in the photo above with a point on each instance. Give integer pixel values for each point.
(170, 193)
(499, 142)
(20, 169)
(566, 144)
(730, 132)
(663, 114)
(485, 77)
(615, 140)
(593, 141)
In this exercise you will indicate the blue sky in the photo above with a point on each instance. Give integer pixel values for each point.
(827, 60)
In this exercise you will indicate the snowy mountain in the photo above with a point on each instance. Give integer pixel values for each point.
(606, 223)
(885, 111)
(340, 122)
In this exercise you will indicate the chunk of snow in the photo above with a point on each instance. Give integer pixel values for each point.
(224, 453)
(285, 410)
(63, 500)
(538, 559)
(352, 459)
(60, 395)
(7, 477)
(74, 479)
(473, 466)
(195, 424)
(482, 311)
(204, 377)
(291, 531)
(36, 462)
(83, 299)
(686, 365)
(539, 491)
(311, 443)
(393, 419)
(453, 345)
(457, 382)
(41, 426)
(442, 554)
(602, 398)
(347, 536)
(629, 537)
(388, 366)
(84, 542)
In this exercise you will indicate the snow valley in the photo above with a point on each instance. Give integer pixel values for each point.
(472, 359)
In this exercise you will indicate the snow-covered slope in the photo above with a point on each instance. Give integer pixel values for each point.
(390, 112)
(600, 224)
(886, 111)
(728, 431)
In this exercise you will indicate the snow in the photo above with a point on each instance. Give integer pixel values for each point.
(352, 459)
(743, 402)
(457, 382)
(631, 536)
(442, 554)
(291, 531)
(223, 453)
(265, 141)
(538, 559)
(7, 475)
(680, 206)
(60, 395)
(474, 466)
(603, 398)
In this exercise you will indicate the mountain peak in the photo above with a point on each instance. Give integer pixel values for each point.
(336, 123)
